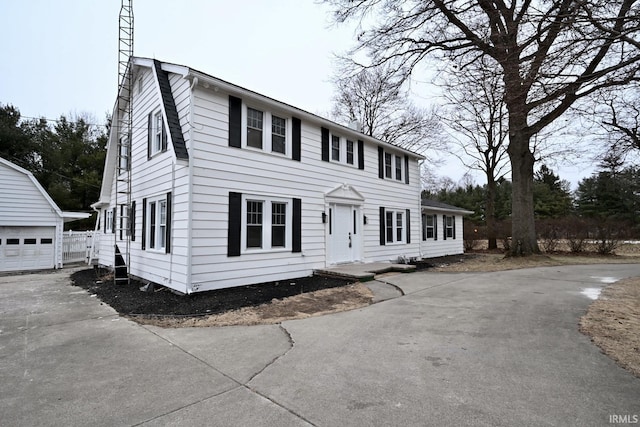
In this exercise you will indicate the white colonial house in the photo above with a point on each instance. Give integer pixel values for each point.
(230, 187)
(442, 229)
(31, 224)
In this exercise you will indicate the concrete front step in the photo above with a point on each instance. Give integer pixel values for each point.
(363, 272)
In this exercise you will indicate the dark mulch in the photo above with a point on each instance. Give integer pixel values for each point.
(130, 300)
(440, 261)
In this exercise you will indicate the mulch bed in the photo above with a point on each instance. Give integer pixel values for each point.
(130, 300)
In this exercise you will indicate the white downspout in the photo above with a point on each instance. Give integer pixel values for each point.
(194, 83)
(173, 195)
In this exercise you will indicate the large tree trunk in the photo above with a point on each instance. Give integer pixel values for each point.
(491, 211)
(523, 232)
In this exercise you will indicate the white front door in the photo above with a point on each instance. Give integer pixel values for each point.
(344, 234)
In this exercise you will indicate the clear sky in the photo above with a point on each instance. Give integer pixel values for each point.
(60, 56)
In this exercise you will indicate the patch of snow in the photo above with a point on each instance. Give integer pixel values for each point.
(606, 280)
(591, 293)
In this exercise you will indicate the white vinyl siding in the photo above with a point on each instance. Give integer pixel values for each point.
(438, 245)
(27, 214)
(219, 169)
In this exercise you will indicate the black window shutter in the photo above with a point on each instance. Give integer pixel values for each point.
(296, 138)
(454, 226)
(380, 163)
(164, 135)
(382, 227)
(406, 169)
(235, 224)
(121, 220)
(435, 227)
(423, 217)
(325, 144)
(235, 122)
(408, 226)
(144, 224)
(360, 154)
(113, 220)
(167, 242)
(149, 134)
(132, 221)
(105, 220)
(444, 227)
(296, 227)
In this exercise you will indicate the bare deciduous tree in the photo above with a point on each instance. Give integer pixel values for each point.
(476, 114)
(378, 100)
(549, 54)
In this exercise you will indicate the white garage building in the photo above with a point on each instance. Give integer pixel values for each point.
(31, 224)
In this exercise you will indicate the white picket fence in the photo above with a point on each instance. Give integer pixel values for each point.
(76, 246)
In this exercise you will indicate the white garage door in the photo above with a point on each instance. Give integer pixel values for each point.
(27, 248)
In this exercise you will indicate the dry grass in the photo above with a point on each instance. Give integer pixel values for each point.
(310, 304)
(613, 323)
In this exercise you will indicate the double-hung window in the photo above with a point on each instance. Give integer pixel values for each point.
(254, 128)
(428, 224)
(398, 168)
(266, 131)
(266, 223)
(349, 152)
(157, 213)
(394, 226)
(388, 157)
(448, 227)
(278, 134)
(125, 150)
(335, 148)
(158, 126)
(108, 222)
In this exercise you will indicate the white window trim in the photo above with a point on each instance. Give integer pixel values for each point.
(127, 154)
(394, 220)
(343, 151)
(426, 227)
(109, 219)
(159, 235)
(266, 223)
(267, 145)
(449, 227)
(156, 132)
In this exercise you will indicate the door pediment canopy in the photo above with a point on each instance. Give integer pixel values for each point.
(344, 193)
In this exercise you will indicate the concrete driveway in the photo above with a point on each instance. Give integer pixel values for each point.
(494, 349)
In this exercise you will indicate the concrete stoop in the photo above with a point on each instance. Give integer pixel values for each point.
(363, 272)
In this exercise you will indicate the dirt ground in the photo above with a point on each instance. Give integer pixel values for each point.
(612, 321)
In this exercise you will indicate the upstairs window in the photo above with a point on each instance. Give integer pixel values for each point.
(254, 128)
(387, 164)
(125, 164)
(278, 134)
(398, 168)
(349, 152)
(158, 126)
(335, 148)
(266, 131)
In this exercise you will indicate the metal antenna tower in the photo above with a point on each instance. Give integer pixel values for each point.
(123, 128)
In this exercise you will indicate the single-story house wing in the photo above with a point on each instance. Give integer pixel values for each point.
(442, 226)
